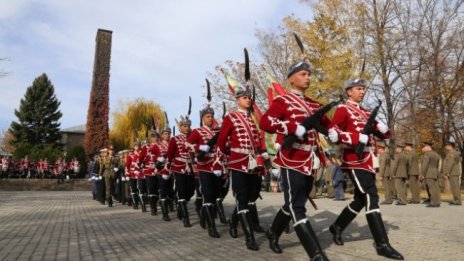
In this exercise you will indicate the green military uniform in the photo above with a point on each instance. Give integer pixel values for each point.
(430, 162)
(452, 169)
(107, 165)
(387, 181)
(413, 174)
(399, 171)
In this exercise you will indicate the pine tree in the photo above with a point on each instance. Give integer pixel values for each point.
(38, 123)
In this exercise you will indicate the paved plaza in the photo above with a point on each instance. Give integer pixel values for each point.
(70, 225)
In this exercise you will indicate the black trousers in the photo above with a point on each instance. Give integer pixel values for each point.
(133, 185)
(365, 191)
(210, 187)
(152, 184)
(142, 186)
(244, 188)
(185, 186)
(198, 187)
(225, 184)
(165, 187)
(296, 187)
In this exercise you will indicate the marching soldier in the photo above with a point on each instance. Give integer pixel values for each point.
(164, 179)
(413, 173)
(132, 171)
(399, 171)
(351, 119)
(99, 179)
(106, 171)
(385, 173)
(210, 177)
(148, 157)
(299, 163)
(429, 173)
(452, 170)
(179, 162)
(141, 181)
(240, 133)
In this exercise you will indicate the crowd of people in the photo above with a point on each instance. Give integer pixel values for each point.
(41, 169)
(204, 162)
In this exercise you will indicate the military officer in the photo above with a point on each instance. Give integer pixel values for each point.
(399, 170)
(413, 173)
(351, 118)
(148, 158)
(164, 178)
(429, 173)
(452, 169)
(107, 165)
(132, 171)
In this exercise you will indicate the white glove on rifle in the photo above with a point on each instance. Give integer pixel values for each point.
(333, 135)
(115, 169)
(275, 173)
(363, 138)
(300, 131)
(382, 127)
(204, 147)
(160, 159)
(165, 177)
(277, 146)
(217, 173)
(265, 155)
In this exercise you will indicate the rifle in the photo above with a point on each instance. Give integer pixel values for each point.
(312, 202)
(368, 129)
(312, 121)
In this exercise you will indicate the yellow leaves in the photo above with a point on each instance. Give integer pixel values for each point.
(132, 120)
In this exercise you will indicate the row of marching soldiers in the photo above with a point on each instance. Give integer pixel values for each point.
(237, 152)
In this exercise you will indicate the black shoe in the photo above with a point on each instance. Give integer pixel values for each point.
(280, 223)
(233, 222)
(309, 241)
(185, 215)
(426, 202)
(386, 203)
(207, 215)
(164, 210)
(399, 203)
(254, 218)
(382, 245)
(200, 213)
(337, 234)
(245, 220)
(342, 221)
(432, 206)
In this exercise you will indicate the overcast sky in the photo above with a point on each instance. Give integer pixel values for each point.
(161, 50)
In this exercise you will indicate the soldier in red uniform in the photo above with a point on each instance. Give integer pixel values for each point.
(350, 119)
(298, 164)
(133, 171)
(210, 177)
(165, 181)
(148, 156)
(239, 138)
(179, 162)
(141, 181)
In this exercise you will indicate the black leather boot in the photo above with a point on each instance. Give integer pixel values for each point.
(135, 200)
(198, 209)
(280, 223)
(382, 245)
(308, 239)
(245, 220)
(343, 220)
(208, 216)
(233, 222)
(143, 203)
(254, 218)
(164, 210)
(154, 209)
(151, 201)
(220, 210)
(185, 215)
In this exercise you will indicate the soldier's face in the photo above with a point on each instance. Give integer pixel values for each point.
(208, 119)
(356, 93)
(184, 128)
(300, 80)
(165, 136)
(243, 102)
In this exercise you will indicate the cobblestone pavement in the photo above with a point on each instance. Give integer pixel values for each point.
(71, 226)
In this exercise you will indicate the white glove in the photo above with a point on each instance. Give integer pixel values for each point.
(115, 169)
(333, 135)
(382, 127)
(265, 155)
(204, 147)
(218, 173)
(277, 146)
(275, 173)
(300, 131)
(160, 159)
(100, 178)
(165, 177)
(363, 138)
(90, 180)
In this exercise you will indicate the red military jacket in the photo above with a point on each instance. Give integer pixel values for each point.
(239, 131)
(283, 117)
(178, 157)
(350, 119)
(200, 136)
(147, 158)
(132, 169)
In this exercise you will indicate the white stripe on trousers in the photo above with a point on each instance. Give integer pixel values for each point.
(290, 196)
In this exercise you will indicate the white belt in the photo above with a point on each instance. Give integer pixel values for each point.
(304, 147)
(242, 151)
(182, 160)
